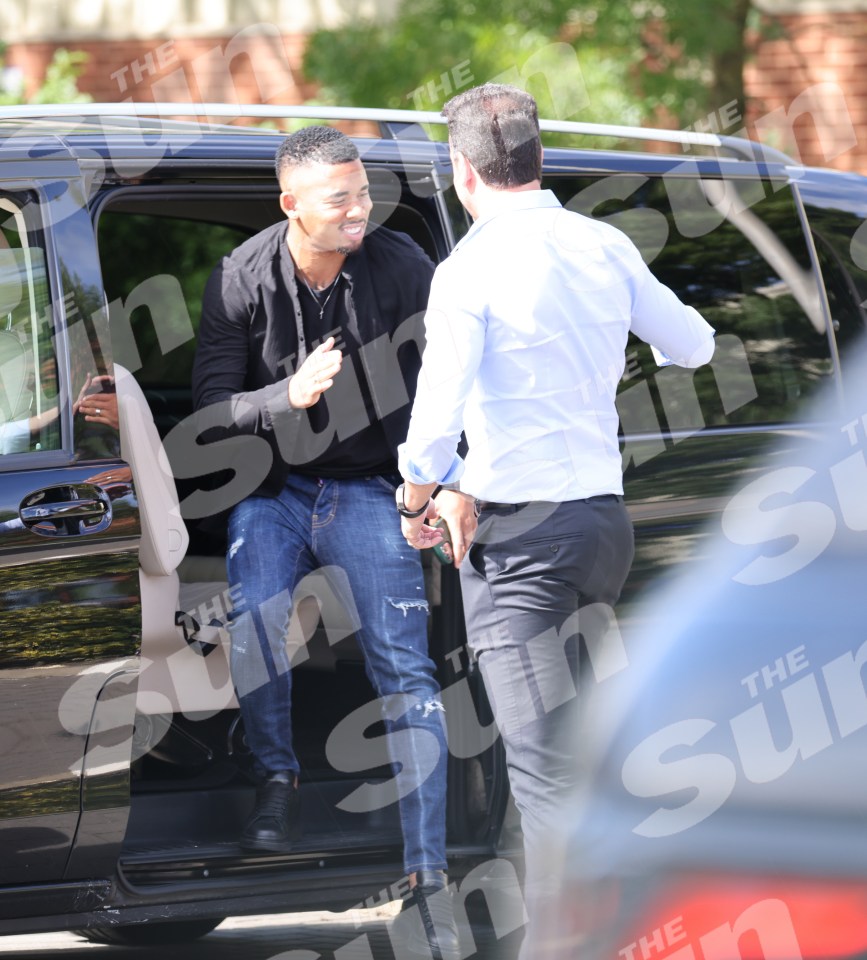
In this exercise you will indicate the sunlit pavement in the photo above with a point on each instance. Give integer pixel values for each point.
(355, 935)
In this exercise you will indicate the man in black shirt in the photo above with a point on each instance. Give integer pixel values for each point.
(300, 345)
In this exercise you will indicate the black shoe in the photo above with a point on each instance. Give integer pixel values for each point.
(274, 824)
(426, 927)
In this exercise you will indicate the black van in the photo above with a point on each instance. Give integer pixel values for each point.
(124, 773)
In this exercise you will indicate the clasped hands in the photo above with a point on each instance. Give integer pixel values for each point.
(458, 512)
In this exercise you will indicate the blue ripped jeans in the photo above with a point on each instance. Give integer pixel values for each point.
(340, 541)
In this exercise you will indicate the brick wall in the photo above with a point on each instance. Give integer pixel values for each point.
(807, 89)
(243, 69)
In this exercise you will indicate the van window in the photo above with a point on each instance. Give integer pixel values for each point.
(29, 408)
(154, 270)
(735, 251)
(841, 247)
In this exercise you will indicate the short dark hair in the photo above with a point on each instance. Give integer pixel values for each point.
(496, 127)
(314, 145)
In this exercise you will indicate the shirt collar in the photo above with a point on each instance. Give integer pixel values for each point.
(508, 202)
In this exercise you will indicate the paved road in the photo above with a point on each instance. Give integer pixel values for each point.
(356, 935)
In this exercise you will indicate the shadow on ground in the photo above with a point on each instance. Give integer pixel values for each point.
(286, 937)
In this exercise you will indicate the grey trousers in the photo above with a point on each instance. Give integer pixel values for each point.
(537, 576)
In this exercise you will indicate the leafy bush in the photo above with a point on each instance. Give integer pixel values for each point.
(60, 84)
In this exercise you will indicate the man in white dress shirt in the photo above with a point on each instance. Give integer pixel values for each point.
(526, 329)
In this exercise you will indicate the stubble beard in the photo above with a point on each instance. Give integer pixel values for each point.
(347, 250)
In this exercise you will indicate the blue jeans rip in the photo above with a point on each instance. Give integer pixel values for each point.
(406, 605)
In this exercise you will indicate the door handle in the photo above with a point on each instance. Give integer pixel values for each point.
(67, 510)
(61, 511)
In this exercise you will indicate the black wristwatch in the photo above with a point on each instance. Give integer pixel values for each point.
(402, 508)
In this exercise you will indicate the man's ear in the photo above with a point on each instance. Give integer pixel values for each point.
(287, 204)
(464, 170)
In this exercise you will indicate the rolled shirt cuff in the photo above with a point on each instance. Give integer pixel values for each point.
(423, 473)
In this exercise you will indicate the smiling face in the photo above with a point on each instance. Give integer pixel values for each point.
(328, 205)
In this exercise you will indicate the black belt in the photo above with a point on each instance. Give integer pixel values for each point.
(493, 505)
(514, 507)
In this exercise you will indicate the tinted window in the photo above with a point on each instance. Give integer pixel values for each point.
(736, 252)
(29, 411)
(841, 245)
(155, 269)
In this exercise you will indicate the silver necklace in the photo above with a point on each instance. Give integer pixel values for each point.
(323, 304)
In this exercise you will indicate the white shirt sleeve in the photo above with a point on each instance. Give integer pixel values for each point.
(455, 337)
(659, 318)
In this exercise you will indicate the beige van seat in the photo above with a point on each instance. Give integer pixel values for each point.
(175, 675)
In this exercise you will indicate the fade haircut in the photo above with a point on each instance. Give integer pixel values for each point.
(496, 127)
(314, 145)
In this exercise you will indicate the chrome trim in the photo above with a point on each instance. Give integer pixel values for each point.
(738, 145)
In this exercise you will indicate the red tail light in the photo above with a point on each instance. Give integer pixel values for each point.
(726, 918)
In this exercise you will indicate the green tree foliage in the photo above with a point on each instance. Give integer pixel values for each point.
(434, 48)
(686, 55)
(60, 84)
(583, 59)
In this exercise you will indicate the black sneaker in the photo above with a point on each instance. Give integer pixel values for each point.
(425, 927)
(274, 824)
